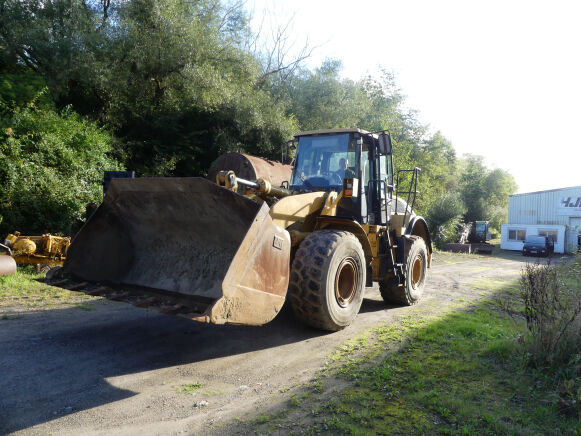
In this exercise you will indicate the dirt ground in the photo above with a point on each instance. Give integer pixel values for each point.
(117, 369)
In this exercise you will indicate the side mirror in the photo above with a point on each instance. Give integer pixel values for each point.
(384, 144)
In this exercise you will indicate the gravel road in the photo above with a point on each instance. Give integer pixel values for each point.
(117, 369)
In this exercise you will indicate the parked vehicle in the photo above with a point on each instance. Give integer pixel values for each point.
(200, 250)
(538, 246)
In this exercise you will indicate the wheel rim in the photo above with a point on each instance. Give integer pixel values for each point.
(417, 271)
(346, 282)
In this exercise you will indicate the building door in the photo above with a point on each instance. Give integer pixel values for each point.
(578, 242)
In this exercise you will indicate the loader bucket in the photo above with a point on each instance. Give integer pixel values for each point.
(189, 237)
(7, 265)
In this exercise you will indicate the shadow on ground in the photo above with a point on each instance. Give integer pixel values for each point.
(53, 359)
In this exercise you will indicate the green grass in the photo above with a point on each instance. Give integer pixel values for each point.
(188, 388)
(459, 373)
(24, 289)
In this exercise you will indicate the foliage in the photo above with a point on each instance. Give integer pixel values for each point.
(445, 218)
(553, 311)
(485, 192)
(54, 161)
(179, 83)
(552, 343)
(170, 77)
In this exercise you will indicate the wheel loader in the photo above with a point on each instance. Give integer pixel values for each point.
(200, 250)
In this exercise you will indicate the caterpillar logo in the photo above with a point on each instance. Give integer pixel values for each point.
(568, 202)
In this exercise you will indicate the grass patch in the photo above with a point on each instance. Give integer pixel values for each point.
(449, 258)
(25, 289)
(6, 316)
(188, 388)
(459, 373)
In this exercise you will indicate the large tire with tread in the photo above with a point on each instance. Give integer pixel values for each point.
(327, 279)
(416, 262)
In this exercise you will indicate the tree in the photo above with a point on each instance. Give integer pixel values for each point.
(170, 78)
(498, 185)
(485, 192)
(52, 161)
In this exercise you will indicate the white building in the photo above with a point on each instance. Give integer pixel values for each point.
(555, 213)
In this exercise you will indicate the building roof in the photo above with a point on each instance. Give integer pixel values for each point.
(548, 190)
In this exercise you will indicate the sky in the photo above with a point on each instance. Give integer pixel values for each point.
(501, 79)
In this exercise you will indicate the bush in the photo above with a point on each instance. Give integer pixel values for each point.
(445, 219)
(54, 163)
(552, 307)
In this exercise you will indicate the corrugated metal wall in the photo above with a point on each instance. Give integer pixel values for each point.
(532, 211)
(539, 207)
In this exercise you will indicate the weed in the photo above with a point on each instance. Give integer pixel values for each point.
(295, 401)
(263, 419)
(188, 388)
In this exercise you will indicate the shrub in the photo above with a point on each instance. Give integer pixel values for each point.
(552, 307)
(54, 163)
(445, 219)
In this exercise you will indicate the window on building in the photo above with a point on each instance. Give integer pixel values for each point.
(552, 234)
(516, 235)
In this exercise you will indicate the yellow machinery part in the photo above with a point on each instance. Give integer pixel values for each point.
(45, 249)
(24, 246)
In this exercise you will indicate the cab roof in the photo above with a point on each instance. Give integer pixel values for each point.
(331, 131)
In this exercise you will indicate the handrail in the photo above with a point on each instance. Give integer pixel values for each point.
(412, 190)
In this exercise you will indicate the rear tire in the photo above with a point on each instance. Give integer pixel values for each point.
(327, 279)
(416, 262)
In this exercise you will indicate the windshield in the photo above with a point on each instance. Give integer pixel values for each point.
(480, 227)
(536, 239)
(323, 161)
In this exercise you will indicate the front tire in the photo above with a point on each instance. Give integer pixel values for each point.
(416, 262)
(327, 279)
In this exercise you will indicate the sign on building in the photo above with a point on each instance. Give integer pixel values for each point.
(569, 206)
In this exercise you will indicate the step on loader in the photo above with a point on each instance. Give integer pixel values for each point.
(198, 249)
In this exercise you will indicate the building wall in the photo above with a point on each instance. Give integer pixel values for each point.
(532, 229)
(537, 211)
(543, 207)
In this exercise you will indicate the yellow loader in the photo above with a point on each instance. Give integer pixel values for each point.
(200, 250)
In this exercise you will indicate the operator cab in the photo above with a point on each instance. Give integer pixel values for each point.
(329, 160)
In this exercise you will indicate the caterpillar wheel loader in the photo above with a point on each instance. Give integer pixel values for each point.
(198, 249)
